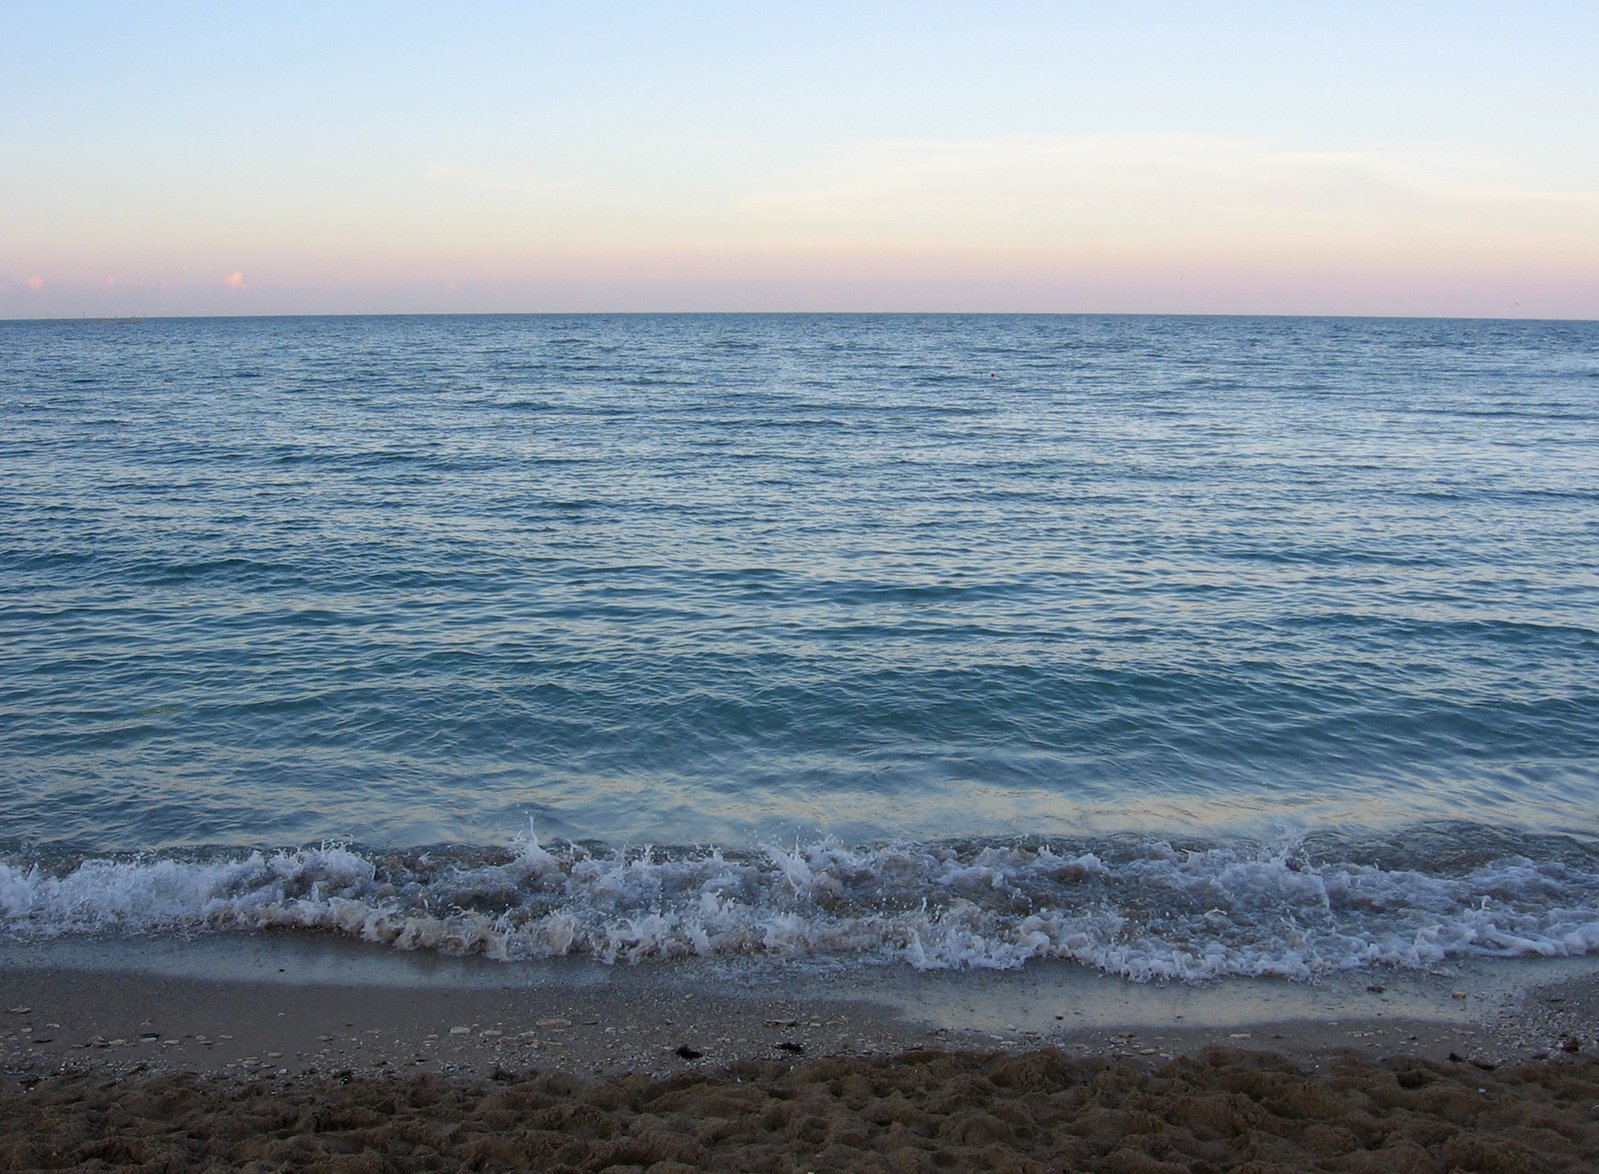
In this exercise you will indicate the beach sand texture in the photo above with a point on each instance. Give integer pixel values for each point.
(115, 1070)
(1223, 1109)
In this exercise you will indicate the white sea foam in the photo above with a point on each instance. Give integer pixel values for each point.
(1145, 911)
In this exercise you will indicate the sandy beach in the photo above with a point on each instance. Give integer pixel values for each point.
(319, 1055)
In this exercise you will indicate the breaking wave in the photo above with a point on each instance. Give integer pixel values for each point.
(1140, 908)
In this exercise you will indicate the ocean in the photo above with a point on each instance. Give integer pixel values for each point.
(1173, 648)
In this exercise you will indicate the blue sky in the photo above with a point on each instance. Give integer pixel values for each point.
(1202, 157)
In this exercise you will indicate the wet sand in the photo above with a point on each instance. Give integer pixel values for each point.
(296, 1054)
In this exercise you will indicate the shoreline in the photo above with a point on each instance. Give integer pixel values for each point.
(268, 1005)
(279, 1052)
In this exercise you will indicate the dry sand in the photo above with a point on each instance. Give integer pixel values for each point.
(317, 1055)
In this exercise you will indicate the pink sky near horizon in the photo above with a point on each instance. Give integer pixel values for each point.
(1209, 158)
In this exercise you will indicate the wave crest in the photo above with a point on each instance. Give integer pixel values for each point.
(1147, 910)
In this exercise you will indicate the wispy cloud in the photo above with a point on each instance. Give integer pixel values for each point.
(489, 180)
(1163, 190)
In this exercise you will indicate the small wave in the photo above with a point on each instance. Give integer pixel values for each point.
(1144, 910)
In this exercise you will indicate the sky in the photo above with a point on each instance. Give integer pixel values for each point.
(1187, 157)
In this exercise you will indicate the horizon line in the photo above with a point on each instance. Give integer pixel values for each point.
(132, 318)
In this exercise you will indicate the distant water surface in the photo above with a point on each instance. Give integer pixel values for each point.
(956, 583)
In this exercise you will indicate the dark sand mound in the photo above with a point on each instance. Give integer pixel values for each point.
(1223, 1109)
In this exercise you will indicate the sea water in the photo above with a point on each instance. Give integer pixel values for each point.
(1175, 647)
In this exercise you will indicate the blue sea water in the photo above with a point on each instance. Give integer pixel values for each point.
(1173, 646)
